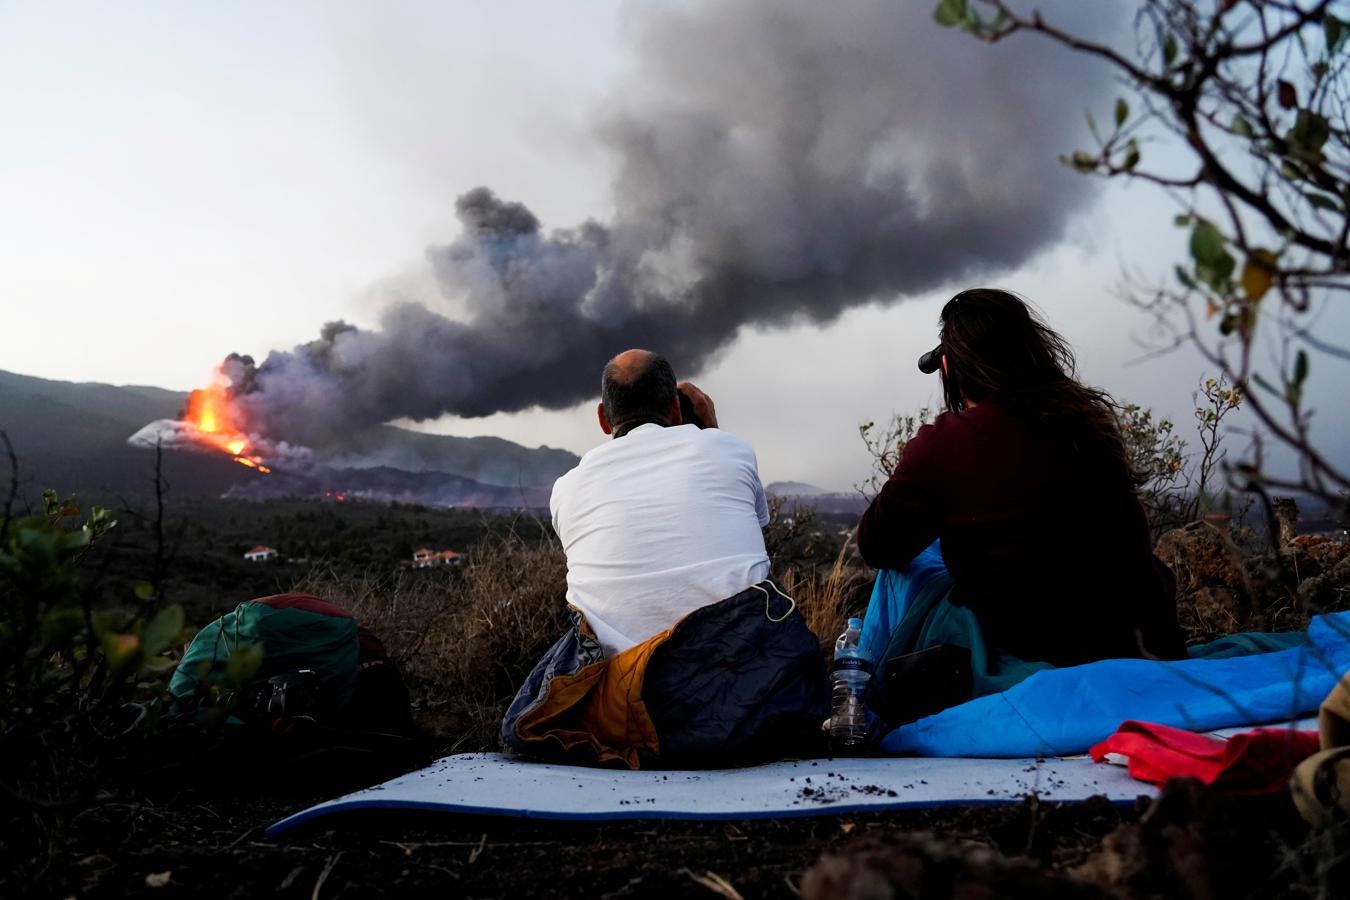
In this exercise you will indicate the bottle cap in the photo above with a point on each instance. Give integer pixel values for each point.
(855, 623)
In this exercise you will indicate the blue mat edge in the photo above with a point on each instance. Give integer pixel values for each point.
(823, 809)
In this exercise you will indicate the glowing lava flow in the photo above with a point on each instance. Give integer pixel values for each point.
(209, 412)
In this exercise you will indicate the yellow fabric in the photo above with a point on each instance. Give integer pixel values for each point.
(1333, 718)
(1321, 784)
(601, 706)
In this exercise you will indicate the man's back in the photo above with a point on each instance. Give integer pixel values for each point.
(657, 524)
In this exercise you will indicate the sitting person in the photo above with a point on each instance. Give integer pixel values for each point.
(1045, 557)
(683, 650)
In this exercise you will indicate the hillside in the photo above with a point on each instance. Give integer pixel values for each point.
(833, 504)
(73, 436)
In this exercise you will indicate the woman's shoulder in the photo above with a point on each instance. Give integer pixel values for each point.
(951, 437)
(982, 418)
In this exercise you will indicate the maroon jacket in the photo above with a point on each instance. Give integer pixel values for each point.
(1050, 553)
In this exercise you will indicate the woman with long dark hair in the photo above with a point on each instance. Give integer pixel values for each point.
(1045, 555)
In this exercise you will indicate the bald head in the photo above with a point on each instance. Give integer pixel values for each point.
(637, 386)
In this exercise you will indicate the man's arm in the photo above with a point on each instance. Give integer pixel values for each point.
(761, 500)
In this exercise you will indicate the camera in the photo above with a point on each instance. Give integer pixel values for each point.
(931, 361)
(687, 413)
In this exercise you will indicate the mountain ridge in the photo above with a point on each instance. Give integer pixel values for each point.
(72, 436)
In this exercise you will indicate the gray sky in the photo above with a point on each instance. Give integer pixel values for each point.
(178, 182)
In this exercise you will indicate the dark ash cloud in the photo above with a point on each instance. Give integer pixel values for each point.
(772, 163)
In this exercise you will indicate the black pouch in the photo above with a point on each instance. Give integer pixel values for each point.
(920, 684)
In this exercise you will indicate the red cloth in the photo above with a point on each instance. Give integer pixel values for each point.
(307, 602)
(1253, 762)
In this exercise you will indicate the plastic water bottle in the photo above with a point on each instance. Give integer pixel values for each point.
(851, 672)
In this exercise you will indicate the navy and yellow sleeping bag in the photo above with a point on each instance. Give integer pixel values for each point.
(733, 683)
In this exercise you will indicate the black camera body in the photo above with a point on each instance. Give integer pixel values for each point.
(291, 695)
(931, 361)
(687, 413)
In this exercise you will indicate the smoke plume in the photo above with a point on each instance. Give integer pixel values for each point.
(773, 163)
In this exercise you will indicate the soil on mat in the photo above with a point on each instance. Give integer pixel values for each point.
(207, 841)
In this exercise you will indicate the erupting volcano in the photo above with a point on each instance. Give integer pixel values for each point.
(383, 464)
(209, 410)
(209, 421)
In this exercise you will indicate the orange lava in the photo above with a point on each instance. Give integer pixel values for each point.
(210, 411)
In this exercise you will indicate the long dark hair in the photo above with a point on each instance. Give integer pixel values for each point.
(997, 349)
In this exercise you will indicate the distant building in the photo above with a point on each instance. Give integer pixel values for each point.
(260, 554)
(425, 559)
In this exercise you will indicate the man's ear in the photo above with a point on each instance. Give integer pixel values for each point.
(604, 423)
(674, 414)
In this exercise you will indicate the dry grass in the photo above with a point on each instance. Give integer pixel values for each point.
(827, 598)
(1228, 582)
(465, 639)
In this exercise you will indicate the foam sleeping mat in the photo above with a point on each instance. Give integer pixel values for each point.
(492, 784)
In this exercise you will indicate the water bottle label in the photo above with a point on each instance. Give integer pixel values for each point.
(852, 664)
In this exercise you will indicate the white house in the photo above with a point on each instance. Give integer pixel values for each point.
(260, 554)
(424, 558)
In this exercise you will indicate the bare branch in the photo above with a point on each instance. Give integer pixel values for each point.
(13, 486)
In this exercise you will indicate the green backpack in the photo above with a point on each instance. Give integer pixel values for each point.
(288, 657)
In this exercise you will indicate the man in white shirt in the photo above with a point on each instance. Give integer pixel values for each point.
(663, 519)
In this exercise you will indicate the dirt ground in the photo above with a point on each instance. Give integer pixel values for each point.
(213, 846)
(176, 821)
(206, 840)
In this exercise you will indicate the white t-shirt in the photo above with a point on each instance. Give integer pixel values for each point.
(656, 524)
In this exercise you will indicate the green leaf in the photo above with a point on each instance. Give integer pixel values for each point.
(1131, 155)
(1122, 111)
(950, 13)
(106, 622)
(1322, 201)
(120, 649)
(1182, 220)
(163, 630)
(1218, 273)
(1301, 368)
(1082, 162)
(1206, 243)
(244, 663)
(1169, 50)
(1336, 32)
(158, 664)
(1308, 135)
(59, 627)
(1185, 278)
(143, 590)
(1241, 127)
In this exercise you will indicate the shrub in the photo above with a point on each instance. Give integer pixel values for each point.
(81, 681)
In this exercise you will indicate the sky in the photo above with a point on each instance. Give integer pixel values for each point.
(180, 182)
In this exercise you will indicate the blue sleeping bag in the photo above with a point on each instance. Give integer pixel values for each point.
(1060, 712)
